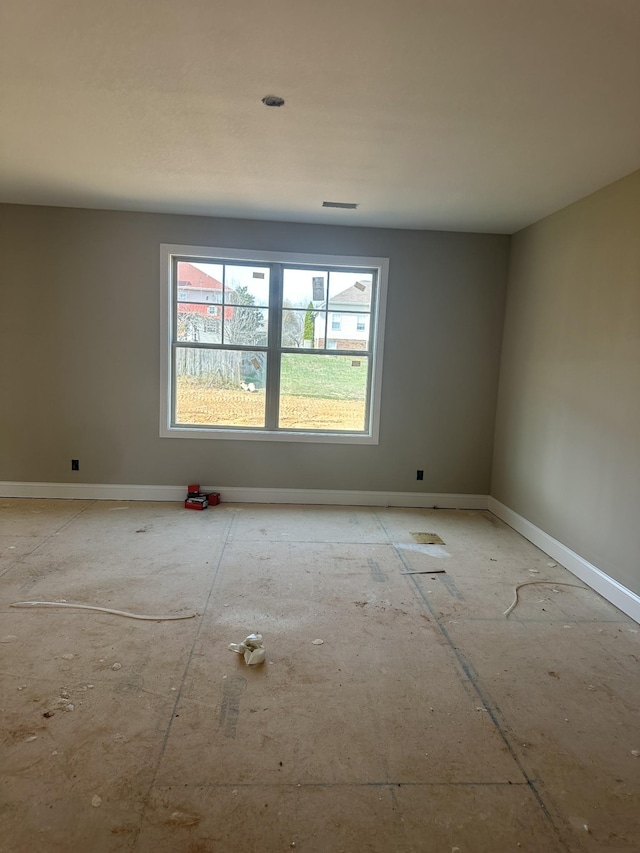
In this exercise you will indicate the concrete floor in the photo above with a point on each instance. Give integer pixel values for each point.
(426, 721)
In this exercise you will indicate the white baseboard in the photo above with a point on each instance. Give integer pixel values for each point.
(239, 494)
(91, 491)
(341, 497)
(624, 599)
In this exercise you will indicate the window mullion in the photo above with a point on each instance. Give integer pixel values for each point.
(174, 338)
(273, 353)
(372, 342)
(222, 301)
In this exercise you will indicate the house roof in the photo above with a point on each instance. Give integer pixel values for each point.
(190, 276)
(357, 294)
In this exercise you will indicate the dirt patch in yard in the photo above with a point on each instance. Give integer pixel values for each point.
(198, 405)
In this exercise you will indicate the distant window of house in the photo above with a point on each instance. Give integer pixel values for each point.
(266, 367)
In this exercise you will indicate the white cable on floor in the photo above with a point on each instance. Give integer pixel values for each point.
(101, 609)
(531, 583)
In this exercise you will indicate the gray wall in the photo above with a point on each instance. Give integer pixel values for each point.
(79, 355)
(567, 449)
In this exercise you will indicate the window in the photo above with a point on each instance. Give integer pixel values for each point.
(260, 363)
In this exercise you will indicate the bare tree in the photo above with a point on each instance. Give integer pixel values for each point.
(292, 326)
(244, 325)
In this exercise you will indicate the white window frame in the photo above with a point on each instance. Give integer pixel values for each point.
(376, 331)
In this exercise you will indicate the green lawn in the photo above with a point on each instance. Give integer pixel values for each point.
(324, 376)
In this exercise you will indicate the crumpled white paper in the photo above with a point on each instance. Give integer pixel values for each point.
(252, 648)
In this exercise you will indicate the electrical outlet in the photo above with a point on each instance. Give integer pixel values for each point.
(419, 475)
(75, 464)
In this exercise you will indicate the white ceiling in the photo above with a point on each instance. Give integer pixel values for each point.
(475, 115)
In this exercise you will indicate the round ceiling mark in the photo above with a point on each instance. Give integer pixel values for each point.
(273, 101)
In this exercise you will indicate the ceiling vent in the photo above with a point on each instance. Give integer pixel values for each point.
(343, 205)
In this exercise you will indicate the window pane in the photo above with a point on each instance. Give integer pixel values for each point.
(199, 323)
(245, 326)
(302, 288)
(246, 285)
(220, 387)
(350, 291)
(199, 282)
(303, 329)
(323, 392)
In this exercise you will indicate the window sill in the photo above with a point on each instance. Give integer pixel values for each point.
(230, 434)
